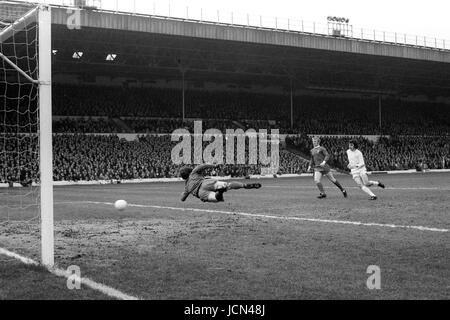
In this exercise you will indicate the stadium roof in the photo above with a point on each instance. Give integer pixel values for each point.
(149, 56)
(124, 45)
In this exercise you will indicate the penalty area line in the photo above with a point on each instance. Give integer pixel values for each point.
(265, 216)
(111, 292)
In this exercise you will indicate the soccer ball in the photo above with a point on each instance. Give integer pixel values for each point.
(120, 205)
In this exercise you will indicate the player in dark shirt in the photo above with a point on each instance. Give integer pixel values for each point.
(208, 189)
(319, 158)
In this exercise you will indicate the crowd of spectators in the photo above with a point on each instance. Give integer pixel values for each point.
(393, 153)
(84, 125)
(312, 114)
(226, 109)
(164, 125)
(81, 157)
(18, 158)
(144, 125)
(90, 157)
(107, 157)
(419, 133)
(291, 163)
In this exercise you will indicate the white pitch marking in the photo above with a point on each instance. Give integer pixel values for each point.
(63, 273)
(356, 223)
(387, 188)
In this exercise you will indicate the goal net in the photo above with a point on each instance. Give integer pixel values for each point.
(26, 191)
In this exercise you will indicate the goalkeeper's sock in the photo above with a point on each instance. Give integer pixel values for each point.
(235, 185)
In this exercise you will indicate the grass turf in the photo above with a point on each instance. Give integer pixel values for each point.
(158, 253)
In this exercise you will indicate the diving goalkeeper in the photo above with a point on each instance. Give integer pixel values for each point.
(208, 189)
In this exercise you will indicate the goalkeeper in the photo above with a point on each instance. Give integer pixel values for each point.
(208, 189)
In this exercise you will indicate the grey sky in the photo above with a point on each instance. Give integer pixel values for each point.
(428, 18)
(425, 18)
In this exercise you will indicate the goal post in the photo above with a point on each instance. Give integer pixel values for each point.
(26, 114)
(45, 134)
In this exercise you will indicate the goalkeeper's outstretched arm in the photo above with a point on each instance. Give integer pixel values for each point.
(184, 196)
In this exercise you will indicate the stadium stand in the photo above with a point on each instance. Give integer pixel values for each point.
(86, 109)
(394, 153)
(91, 157)
(313, 115)
(82, 125)
(19, 160)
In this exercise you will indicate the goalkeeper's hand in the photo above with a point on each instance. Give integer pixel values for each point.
(323, 164)
(184, 196)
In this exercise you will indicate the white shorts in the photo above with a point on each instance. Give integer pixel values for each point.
(360, 175)
(209, 187)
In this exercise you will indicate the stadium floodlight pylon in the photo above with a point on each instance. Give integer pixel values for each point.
(11, 26)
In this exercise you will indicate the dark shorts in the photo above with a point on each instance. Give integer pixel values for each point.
(324, 170)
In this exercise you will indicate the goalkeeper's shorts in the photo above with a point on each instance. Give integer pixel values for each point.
(210, 186)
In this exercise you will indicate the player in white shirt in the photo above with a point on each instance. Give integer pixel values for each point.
(358, 170)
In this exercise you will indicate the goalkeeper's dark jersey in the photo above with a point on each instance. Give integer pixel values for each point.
(193, 183)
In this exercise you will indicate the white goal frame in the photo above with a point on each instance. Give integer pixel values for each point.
(44, 82)
(45, 134)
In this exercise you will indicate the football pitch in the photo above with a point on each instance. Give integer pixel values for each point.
(278, 242)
